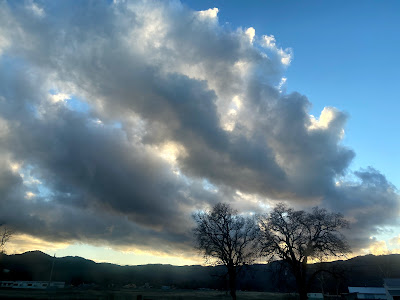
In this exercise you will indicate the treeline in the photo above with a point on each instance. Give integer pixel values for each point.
(360, 271)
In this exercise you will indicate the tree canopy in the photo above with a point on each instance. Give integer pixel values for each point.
(295, 236)
(227, 238)
(5, 235)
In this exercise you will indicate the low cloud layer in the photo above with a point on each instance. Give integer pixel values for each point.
(118, 120)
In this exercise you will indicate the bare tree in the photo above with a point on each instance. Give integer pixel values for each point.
(298, 236)
(227, 238)
(5, 235)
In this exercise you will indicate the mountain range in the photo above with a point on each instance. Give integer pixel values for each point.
(75, 271)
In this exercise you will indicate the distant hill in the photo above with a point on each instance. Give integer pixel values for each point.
(35, 265)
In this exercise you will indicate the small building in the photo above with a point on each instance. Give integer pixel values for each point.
(41, 285)
(315, 296)
(368, 292)
(6, 284)
(392, 288)
(130, 286)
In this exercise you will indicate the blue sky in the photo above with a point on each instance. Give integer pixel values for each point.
(345, 55)
(118, 120)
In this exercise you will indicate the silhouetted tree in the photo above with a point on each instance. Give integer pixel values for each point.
(298, 236)
(5, 235)
(227, 238)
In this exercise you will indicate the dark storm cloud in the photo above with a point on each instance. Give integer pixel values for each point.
(154, 73)
(97, 181)
(97, 178)
(371, 202)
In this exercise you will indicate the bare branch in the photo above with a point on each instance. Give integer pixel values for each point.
(228, 238)
(5, 235)
(297, 236)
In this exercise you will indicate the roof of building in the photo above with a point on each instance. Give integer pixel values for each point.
(367, 290)
(392, 282)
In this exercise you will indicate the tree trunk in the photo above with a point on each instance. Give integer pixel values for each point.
(232, 281)
(301, 286)
(301, 280)
(303, 293)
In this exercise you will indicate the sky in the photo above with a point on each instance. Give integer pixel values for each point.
(119, 120)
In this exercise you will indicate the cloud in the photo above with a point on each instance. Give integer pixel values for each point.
(380, 247)
(21, 243)
(371, 203)
(124, 118)
(210, 13)
(269, 41)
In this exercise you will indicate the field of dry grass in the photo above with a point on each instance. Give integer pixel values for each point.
(151, 294)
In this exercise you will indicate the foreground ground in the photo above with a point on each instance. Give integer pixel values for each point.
(135, 295)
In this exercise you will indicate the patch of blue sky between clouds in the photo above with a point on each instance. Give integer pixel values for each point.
(76, 104)
(116, 125)
(79, 105)
(73, 102)
(34, 186)
(209, 186)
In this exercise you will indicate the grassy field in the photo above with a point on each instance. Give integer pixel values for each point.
(133, 295)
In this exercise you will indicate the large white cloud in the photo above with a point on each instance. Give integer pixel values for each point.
(128, 116)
